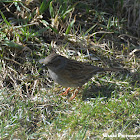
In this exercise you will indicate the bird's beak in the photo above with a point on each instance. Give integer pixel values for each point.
(41, 61)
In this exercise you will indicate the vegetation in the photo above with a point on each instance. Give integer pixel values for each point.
(105, 33)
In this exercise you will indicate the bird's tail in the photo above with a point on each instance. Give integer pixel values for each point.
(99, 69)
(113, 69)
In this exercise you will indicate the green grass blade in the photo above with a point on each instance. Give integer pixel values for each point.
(4, 18)
(51, 10)
(70, 26)
(45, 4)
(46, 23)
(13, 44)
(89, 29)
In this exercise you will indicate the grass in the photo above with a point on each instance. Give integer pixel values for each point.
(30, 104)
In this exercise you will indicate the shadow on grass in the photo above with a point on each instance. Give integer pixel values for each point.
(127, 81)
(135, 82)
(94, 91)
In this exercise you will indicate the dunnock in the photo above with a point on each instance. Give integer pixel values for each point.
(70, 73)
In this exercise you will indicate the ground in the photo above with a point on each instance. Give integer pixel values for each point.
(99, 33)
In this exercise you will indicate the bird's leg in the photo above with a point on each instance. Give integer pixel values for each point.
(76, 92)
(66, 92)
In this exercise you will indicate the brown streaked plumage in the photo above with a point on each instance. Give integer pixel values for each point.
(71, 73)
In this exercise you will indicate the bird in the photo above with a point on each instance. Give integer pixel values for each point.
(71, 73)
